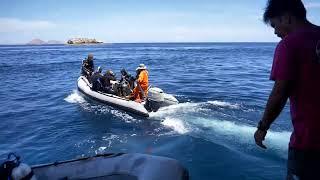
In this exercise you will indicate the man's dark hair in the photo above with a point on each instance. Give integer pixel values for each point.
(277, 8)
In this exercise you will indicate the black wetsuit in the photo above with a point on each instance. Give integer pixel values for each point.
(128, 78)
(126, 83)
(87, 67)
(107, 84)
(96, 80)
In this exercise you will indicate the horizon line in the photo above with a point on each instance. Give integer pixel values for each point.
(172, 42)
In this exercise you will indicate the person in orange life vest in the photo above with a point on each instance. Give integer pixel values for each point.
(141, 89)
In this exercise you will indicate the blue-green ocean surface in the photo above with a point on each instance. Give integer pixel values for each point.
(222, 87)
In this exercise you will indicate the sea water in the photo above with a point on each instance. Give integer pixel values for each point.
(222, 89)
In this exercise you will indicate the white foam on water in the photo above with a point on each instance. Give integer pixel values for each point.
(243, 134)
(104, 109)
(224, 104)
(189, 108)
(75, 97)
(112, 138)
(102, 148)
(122, 115)
(182, 108)
(278, 140)
(181, 119)
(176, 124)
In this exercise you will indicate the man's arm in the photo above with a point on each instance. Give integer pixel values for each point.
(276, 102)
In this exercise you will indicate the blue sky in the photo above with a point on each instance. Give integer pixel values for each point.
(139, 20)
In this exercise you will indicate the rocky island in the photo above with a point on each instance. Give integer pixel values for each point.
(83, 41)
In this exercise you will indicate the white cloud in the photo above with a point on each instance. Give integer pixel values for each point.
(140, 29)
(9, 25)
(188, 34)
(312, 5)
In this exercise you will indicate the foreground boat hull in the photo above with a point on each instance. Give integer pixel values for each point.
(114, 166)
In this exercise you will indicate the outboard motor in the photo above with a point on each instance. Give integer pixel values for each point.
(13, 169)
(155, 99)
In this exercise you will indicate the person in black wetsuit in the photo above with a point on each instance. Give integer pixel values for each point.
(87, 66)
(125, 76)
(97, 80)
(107, 86)
(126, 83)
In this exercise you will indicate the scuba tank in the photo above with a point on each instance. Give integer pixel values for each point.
(13, 169)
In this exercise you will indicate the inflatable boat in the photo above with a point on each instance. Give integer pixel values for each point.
(105, 166)
(155, 100)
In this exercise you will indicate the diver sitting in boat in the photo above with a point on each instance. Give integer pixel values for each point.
(141, 90)
(87, 66)
(107, 86)
(96, 80)
(125, 76)
(126, 83)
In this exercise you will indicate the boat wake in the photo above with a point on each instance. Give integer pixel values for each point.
(176, 124)
(75, 97)
(225, 104)
(198, 120)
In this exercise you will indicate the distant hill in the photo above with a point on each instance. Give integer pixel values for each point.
(36, 42)
(41, 42)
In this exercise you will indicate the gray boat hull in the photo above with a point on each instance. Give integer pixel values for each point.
(114, 166)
